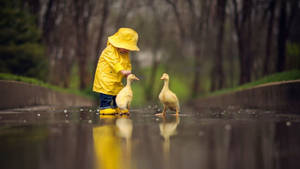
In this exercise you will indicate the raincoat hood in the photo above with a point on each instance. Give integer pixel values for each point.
(125, 38)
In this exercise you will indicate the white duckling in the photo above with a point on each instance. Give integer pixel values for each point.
(167, 97)
(124, 97)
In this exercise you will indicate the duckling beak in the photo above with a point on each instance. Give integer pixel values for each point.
(136, 78)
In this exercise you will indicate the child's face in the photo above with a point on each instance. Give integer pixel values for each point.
(123, 51)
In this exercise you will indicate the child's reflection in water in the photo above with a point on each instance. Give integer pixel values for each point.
(110, 154)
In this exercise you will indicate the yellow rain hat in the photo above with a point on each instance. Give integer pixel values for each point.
(125, 38)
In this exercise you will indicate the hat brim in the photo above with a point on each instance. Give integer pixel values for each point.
(124, 46)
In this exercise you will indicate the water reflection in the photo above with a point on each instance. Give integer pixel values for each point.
(111, 153)
(125, 127)
(144, 141)
(167, 129)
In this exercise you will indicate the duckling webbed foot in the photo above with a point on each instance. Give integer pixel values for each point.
(124, 112)
(163, 113)
(160, 114)
(177, 112)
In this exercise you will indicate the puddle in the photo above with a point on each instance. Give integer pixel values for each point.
(77, 138)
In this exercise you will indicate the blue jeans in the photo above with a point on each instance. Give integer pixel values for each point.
(107, 101)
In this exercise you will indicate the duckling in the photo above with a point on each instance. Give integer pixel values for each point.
(124, 97)
(167, 97)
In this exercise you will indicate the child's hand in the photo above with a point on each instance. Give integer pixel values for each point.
(125, 72)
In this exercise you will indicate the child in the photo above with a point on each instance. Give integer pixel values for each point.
(113, 65)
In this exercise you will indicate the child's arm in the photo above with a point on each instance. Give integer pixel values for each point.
(113, 61)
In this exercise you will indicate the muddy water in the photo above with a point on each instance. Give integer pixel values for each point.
(77, 138)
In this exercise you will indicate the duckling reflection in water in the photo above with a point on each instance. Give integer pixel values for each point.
(125, 127)
(108, 143)
(168, 129)
(168, 98)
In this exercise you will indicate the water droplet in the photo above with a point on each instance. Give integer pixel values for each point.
(67, 115)
(81, 109)
(149, 107)
(90, 121)
(90, 110)
(98, 110)
(65, 111)
(228, 127)
(288, 123)
(157, 119)
(38, 114)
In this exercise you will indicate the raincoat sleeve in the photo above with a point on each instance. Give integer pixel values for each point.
(113, 60)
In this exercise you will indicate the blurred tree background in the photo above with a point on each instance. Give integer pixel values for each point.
(204, 45)
(20, 42)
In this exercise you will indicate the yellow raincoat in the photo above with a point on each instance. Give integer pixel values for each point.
(108, 79)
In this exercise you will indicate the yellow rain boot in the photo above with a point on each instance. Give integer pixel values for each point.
(107, 116)
(108, 111)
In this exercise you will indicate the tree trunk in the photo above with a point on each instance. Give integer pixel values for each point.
(269, 39)
(83, 10)
(156, 46)
(218, 74)
(281, 38)
(105, 13)
(178, 19)
(196, 79)
(243, 29)
(197, 39)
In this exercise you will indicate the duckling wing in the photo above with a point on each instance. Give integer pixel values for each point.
(121, 99)
(172, 97)
(169, 99)
(124, 97)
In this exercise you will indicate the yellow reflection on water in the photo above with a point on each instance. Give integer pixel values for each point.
(109, 140)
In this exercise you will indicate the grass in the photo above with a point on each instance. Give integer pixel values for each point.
(7, 76)
(277, 77)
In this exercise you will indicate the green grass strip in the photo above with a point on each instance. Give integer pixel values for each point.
(7, 76)
(277, 77)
